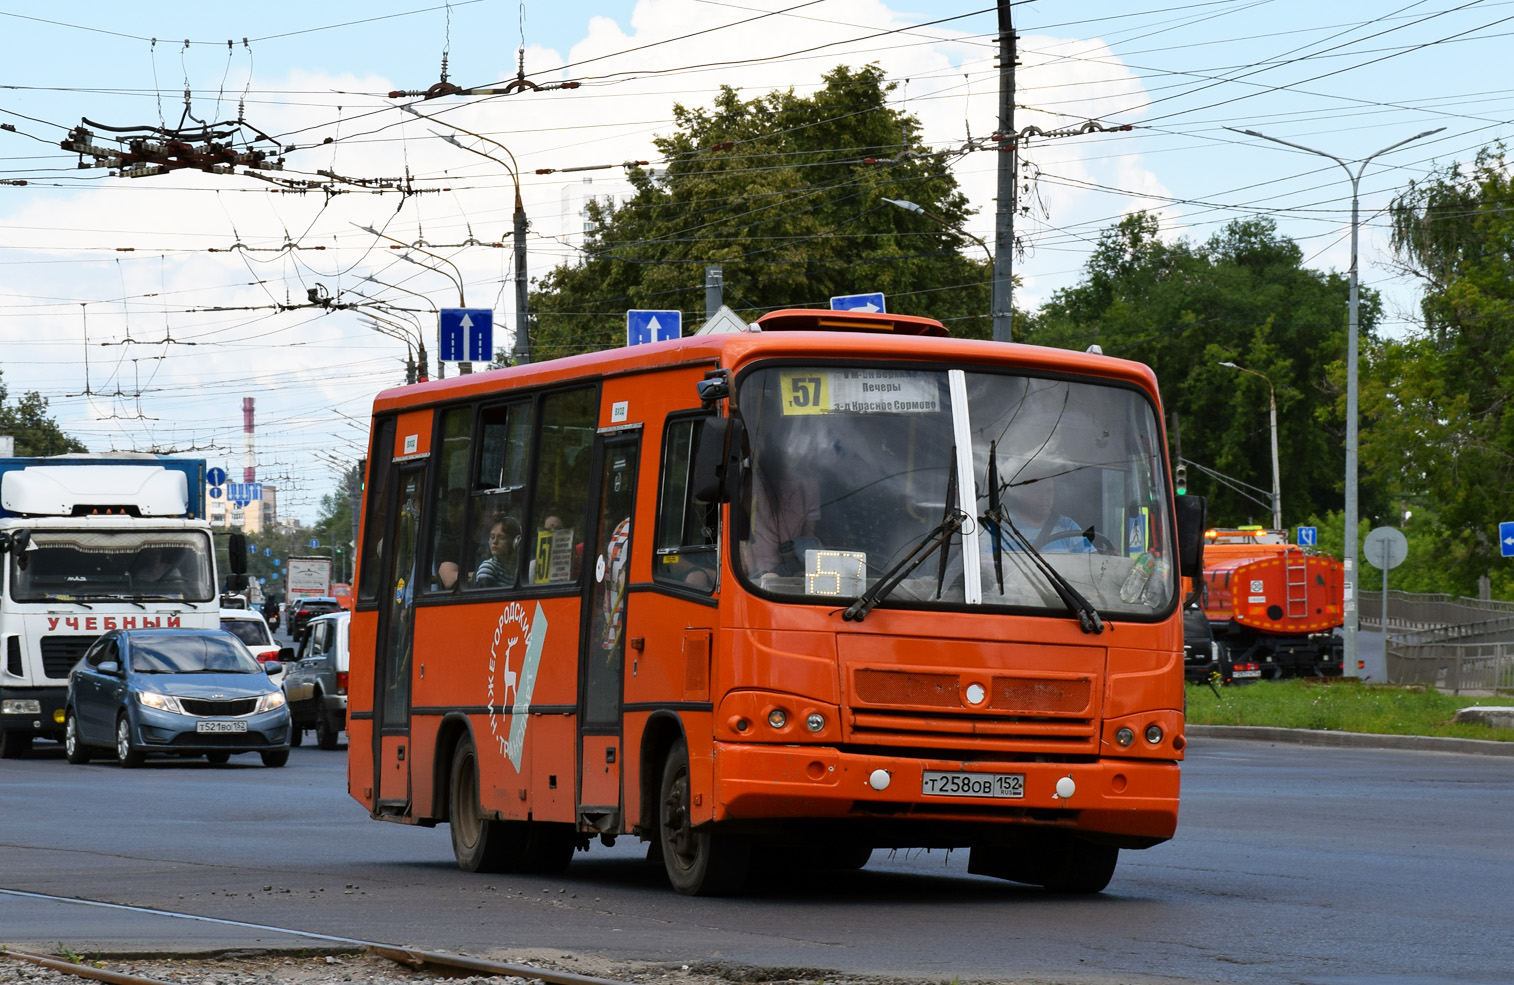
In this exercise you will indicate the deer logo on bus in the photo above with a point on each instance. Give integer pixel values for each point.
(507, 680)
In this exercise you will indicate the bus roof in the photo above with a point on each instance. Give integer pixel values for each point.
(731, 350)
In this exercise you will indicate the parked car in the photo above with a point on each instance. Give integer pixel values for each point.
(315, 685)
(249, 626)
(179, 691)
(307, 609)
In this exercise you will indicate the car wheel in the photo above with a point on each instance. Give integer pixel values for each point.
(296, 734)
(14, 744)
(73, 748)
(698, 861)
(275, 757)
(218, 758)
(325, 735)
(129, 756)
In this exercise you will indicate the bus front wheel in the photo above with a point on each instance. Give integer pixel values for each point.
(698, 861)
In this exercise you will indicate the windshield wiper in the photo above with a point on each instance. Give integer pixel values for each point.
(1088, 617)
(69, 599)
(937, 538)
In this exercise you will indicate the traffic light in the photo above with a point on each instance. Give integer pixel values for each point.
(1180, 479)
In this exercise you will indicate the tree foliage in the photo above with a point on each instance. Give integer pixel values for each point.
(1242, 296)
(784, 192)
(1441, 432)
(36, 433)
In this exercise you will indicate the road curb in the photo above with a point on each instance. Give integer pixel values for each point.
(1350, 740)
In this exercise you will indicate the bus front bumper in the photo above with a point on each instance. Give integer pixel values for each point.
(1130, 801)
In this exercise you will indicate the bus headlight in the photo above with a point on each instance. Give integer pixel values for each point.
(815, 722)
(1124, 736)
(1153, 734)
(778, 718)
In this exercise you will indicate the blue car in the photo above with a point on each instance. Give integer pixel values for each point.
(178, 691)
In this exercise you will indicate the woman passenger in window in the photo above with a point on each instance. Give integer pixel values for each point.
(499, 568)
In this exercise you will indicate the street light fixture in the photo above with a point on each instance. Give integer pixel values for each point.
(1348, 561)
(918, 210)
(522, 348)
(1277, 488)
(462, 367)
(415, 343)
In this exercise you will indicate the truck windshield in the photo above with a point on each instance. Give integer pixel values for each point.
(107, 564)
(852, 468)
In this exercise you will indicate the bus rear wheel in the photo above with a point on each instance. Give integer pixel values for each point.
(483, 844)
(698, 861)
(1056, 860)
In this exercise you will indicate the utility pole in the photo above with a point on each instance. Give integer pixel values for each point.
(1004, 221)
(714, 290)
(522, 352)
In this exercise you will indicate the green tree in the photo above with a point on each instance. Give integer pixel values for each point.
(36, 433)
(785, 192)
(1438, 401)
(1242, 296)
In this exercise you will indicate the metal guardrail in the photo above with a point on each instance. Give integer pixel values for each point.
(1454, 667)
(1449, 642)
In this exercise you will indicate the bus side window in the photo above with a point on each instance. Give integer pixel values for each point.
(687, 535)
(451, 550)
(499, 489)
(380, 457)
(561, 491)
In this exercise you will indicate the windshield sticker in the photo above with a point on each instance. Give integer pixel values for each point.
(512, 629)
(859, 391)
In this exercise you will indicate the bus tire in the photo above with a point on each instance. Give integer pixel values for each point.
(477, 842)
(14, 744)
(74, 748)
(699, 861)
(1055, 860)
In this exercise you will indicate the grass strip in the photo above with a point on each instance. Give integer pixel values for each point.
(1342, 705)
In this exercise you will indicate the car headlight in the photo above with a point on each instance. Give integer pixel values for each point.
(272, 701)
(162, 702)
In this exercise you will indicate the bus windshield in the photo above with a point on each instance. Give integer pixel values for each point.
(970, 487)
(114, 564)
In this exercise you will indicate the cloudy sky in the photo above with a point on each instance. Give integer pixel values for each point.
(145, 309)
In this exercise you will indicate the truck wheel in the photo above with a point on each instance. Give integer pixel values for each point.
(14, 744)
(73, 748)
(698, 861)
(296, 734)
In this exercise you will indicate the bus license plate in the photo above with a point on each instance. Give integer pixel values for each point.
(942, 784)
(220, 726)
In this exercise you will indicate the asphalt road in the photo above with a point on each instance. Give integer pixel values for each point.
(1291, 864)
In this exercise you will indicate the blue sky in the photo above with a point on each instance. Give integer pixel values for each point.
(129, 262)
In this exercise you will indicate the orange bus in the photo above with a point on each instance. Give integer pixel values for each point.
(835, 584)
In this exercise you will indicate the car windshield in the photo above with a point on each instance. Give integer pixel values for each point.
(104, 564)
(192, 653)
(249, 631)
(854, 468)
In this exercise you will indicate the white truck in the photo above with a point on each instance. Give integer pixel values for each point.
(308, 577)
(91, 543)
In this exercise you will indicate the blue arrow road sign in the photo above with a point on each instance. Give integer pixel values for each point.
(643, 326)
(216, 477)
(1308, 536)
(858, 302)
(466, 330)
(1506, 538)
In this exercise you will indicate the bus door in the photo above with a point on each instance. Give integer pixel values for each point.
(399, 557)
(602, 652)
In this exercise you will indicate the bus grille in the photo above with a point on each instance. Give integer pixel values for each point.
(929, 709)
(207, 708)
(60, 653)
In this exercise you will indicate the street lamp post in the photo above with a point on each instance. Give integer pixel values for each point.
(462, 302)
(522, 349)
(1277, 482)
(441, 367)
(1348, 561)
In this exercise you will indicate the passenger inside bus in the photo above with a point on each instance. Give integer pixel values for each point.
(498, 569)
